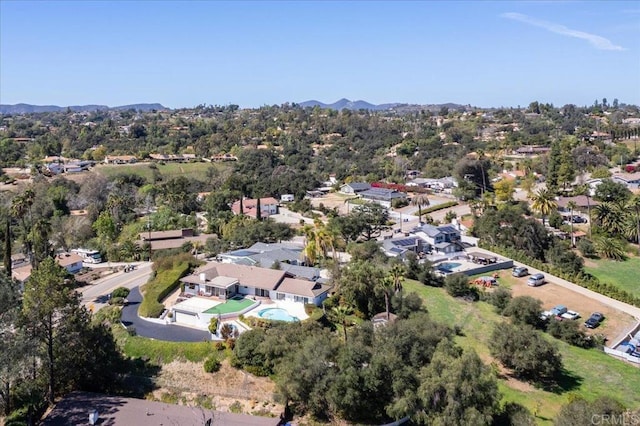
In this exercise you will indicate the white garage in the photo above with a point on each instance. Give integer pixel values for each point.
(185, 318)
(190, 312)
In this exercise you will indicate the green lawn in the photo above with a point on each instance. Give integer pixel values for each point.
(625, 275)
(231, 305)
(191, 170)
(593, 373)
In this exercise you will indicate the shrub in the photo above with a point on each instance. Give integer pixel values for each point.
(499, 298)
(165, 281)
(586, 247)
(439, 207)
(569, 331)
(122, 292)
(524, 310)
(213, 325)
(211, 365)
(117, 301)
(457, 285)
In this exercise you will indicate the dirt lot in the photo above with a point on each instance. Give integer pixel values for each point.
(229, 389)
(615, 325)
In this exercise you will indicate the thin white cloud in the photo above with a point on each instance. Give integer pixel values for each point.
(595, 40)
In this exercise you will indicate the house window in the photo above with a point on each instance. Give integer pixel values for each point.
(192, 286)
(280, 296)
(301, 299)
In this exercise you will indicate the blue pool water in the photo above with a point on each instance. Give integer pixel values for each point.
(448, 266)
(277, 314)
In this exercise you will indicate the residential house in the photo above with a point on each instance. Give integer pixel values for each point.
(268, 207)
(163, 240)
(442, 239)
(401, 246)
(226, 280)
(354, 188)
(382, 196)
(265, 255)
(77, 166)
(630, 180)
(436, 185)
(224, 157)
(120, 159)
(176, 158)
(72, 262)
(531, 150)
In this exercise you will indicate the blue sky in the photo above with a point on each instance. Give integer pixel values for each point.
(261, 53)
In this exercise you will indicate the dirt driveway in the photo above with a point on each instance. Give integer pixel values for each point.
(615, 325)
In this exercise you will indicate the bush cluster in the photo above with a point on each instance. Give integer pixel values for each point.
(159, 287)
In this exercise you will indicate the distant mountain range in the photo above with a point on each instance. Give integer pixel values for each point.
(29, 109)
(338, 106)
(356, 105)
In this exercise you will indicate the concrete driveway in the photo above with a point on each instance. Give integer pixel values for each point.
(152, 330)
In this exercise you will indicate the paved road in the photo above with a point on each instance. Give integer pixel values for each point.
(170, 333)
(96, 294)
(616, 304)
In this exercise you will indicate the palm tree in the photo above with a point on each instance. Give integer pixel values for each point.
(543, 203)
(320, 240)
(610, 217)
(397, 276)
(340, 314)
(420, 200)
(586, 191)
(386, 287)
(572, 205)
(634, 205)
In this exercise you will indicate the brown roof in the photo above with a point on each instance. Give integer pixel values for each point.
(249, 204)
(21, 274)
(580, 200)
(172, 243)
(301, 287)
(161, 235)
(66, 259)
(250, 276)
(74, 409)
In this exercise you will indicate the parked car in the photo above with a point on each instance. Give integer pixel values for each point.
(520, 271)
(570, 315)
(578, 219)
(536, 280)
(559, 310)
(594, 320)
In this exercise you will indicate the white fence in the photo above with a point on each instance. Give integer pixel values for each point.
(621, 354)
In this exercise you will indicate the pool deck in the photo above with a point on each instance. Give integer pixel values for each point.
(293, 308)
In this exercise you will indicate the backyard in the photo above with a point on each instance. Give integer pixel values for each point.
(589, 373)
(623, 274)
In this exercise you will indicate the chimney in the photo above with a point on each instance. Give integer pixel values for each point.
(203, 277)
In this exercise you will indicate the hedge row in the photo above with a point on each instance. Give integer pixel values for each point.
(439, 207)
(583, 279)
(159, 287)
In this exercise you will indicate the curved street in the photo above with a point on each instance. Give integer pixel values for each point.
(167, 332)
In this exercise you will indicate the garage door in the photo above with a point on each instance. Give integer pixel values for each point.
(186, 319)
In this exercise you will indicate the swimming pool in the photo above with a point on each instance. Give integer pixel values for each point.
(277, 314)
(448, 266)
